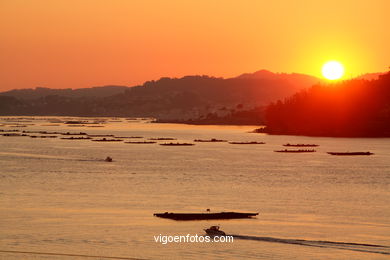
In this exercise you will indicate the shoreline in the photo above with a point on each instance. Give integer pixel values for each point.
(265, 131)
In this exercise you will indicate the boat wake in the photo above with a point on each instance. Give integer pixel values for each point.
(359, 247)
(49, 157)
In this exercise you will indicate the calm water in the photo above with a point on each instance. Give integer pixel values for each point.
(58, 196)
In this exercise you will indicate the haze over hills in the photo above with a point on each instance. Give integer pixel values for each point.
(189, 97)
(39, 92)
(296, 80)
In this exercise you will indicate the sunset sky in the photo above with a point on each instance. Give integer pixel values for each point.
(84, 43)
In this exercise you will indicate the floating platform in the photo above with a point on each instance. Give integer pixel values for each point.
(177, 144)
(300, 145)
(204, 216)
(296, 151)
(142, 142)
(107, 140)
(213, 140)
(253, 142)
(162, 139)
(350, 153)
(76, 138)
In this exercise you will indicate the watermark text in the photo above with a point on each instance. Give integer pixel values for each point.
(165, 239)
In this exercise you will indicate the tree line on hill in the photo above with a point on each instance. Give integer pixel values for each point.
(352, 108)
(190, 98)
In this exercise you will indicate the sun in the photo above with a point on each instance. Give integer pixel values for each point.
(333, 70)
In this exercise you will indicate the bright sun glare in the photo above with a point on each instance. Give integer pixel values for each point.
(332, 70)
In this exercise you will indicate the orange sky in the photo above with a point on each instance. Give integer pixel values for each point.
(84, 43)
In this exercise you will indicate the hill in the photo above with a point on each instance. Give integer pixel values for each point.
(186, 98)
(353, 108)
(40, 92)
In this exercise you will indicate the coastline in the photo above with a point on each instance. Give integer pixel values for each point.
(264, 130)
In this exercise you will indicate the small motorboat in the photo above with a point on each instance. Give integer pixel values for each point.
(214, 231)
(108, 159)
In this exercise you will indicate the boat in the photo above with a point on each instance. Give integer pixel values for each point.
(253, 142)
(214, 231)
(300, 145)
(296, 151)
(141, 142)
(350, 153)
(108, 159)
(204, 216)
(213, 140)
(177, 144)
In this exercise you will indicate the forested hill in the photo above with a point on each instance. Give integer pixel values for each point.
(190, 97)
(354, 108)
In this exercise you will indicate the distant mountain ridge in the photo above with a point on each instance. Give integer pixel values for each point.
(38, 92)
(109, 90)
(186, 98)
(297, 80)
(266, 74)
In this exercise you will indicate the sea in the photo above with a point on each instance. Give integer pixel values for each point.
(60, 199)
